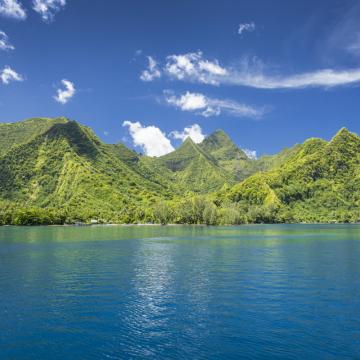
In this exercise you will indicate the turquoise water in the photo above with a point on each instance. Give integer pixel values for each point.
(250, 292)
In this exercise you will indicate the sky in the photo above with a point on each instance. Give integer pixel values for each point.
(152, 73)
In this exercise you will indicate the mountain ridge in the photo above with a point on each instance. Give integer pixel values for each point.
(59, 171)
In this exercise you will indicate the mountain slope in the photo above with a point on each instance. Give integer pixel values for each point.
(234, 160)
(321, 182)
(227, 154)
(55, 170)
(68, 167)
(220, 146)
(194, 169)
(13, 134)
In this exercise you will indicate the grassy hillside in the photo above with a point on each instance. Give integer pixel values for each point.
(195, 170)
(320, 182)
(13, 134)
(56, 171)
(68, 168)
(227, 154)
(234, 160)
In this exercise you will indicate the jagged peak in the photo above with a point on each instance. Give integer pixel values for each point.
(219, 132)
(187, 147)
(220, 145)
(344, 136)
(218, 136)
(80, 137)
(344, 133)
(344, 143)
(187, 141)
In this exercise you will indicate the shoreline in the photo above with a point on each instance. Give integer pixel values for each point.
(173, 225)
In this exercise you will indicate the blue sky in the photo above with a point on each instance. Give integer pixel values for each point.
(270, 74)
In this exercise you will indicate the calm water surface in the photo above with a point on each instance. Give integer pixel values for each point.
(250, 292)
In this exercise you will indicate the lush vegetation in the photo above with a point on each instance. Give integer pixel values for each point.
(56, 171)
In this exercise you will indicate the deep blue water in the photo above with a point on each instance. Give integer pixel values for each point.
(250, 292)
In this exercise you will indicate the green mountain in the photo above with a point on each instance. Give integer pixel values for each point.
(319, 182)
(56, 171)
(220, 146)
(234, 160)
(12, 134)
(194, 169)
(66, 167)
(227, 154)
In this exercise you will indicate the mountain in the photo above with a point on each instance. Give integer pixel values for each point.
(195, 169)
(234, 160)
(227, 154)
(67, 167)
(12, 134)
(320, 182)
(57, 170)
(221, 147)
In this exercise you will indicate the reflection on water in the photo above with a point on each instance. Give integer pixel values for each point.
(281, 291)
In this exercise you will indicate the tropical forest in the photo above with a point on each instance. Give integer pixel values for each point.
(56, 171)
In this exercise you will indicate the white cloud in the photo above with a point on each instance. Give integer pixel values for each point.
(4, 42)
(194, 132)
(246, 27)
(188, 101)
(48, 8)
(193, 67)
(7, 75)
(206, 106)
(152, 71)
(251, 154)
(12, 9)
(150, 138)
(326, 78)
(64, 95)
(252, 72)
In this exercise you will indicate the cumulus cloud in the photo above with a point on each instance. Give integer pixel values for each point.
(12, 9)
(207, 106)
(152, 72)
(64, 95)
(8, 75)
(188, 101)
(150, 138)
(251, 154)
(4, 42)
(193, 67)
(246, 27)
(193, 131)
(48, 8)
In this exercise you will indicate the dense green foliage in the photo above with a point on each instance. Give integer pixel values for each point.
(56, 171)
(24, 131)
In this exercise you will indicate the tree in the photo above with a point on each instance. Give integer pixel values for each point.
(162, 213)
